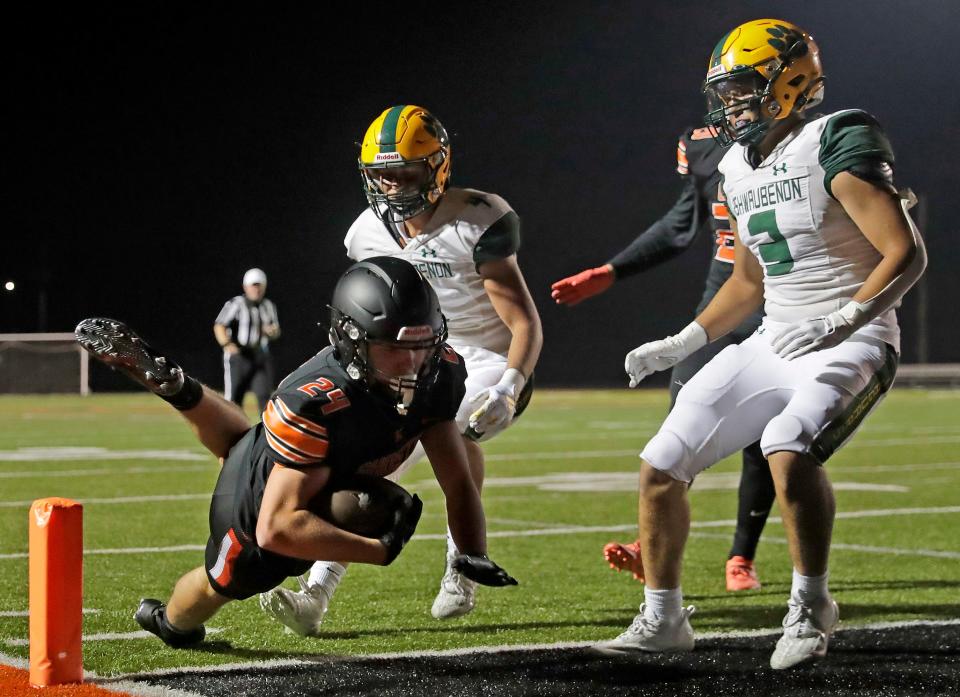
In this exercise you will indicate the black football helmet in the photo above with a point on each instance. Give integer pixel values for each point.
(386, 300)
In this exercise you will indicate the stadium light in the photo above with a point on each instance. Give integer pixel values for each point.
(9, 285)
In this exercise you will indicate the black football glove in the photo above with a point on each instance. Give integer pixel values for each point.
(405, 520)
(483, 570)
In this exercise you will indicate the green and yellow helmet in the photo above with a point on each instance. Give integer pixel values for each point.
(767, 66)
(404, 162)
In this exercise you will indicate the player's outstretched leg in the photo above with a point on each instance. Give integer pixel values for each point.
(179, 622)
(115, 344)
(756, 496)
(152, 616)
(217, 423)
(624, 557)
(303, 612)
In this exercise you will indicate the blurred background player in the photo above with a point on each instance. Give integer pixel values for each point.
(244, 329)
(823, 238)
(358, 406)
(465, 244)
(697, 212)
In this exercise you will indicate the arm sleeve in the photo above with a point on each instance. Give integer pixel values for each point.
(227, 314)
(498, 241)
(450, 387)
(666, 238)
(854, 142)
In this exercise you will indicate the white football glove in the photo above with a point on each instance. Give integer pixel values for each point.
(666, 353)
(818, 333)
(499, 403)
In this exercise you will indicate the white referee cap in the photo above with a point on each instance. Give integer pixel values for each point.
(253, 276)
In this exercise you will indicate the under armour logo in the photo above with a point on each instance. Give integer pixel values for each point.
(427, 252)
(780, 169)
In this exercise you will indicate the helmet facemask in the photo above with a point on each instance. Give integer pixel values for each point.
(353, 349)
(417, 187)
(740, 107)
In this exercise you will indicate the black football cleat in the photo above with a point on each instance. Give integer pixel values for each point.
(151, 616)
(119, 347)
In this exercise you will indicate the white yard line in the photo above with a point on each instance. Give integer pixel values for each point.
(60, 454)
(26, 613)
(491, 457)
(565, 530)
(120, 500)
(103, 471)
(108, 636)
(503, 648)
(869, 549)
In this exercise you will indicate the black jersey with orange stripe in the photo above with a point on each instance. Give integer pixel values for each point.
(319, 416)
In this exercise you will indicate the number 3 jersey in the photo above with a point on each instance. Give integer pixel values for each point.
(813, 255)
(468, 228)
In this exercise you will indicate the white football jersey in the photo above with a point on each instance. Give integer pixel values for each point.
(813, 255)
(467, 228)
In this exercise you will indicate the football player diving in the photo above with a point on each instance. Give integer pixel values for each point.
(360, 406)
(697, 212)
(821, 238)
(465, 244)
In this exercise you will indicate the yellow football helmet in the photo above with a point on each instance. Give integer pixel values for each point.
(404, 162)
(768, 67)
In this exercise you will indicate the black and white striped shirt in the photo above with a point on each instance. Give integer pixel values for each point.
(244, 320)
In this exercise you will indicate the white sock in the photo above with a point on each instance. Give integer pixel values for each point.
(809, 589)
(327, 574)
(663, 604)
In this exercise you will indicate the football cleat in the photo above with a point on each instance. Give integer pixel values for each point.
(653, 634)
(624, 557)
(119, 347)
(806, 633)
(457, 595)
(741, 575)
(151, 616)
(300, 612)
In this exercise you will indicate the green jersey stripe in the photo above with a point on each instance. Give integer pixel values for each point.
(842, 427)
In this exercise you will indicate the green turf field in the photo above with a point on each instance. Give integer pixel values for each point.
(560, 485)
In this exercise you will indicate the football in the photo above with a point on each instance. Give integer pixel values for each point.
(363, 504)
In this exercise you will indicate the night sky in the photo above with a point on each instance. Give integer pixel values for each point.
(156, 153)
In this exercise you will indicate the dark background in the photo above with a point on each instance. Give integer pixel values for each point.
(155, 153)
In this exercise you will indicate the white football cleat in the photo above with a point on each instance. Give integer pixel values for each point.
(653, 634)
(806, 633)
(457, 595)
(300, 612)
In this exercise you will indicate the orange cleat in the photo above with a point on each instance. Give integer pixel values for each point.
(624, 558)
(741, 575)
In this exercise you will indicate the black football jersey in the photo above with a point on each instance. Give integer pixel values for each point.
(319, 416)
(697, 212)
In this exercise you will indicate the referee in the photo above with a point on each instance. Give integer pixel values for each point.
(244, 328)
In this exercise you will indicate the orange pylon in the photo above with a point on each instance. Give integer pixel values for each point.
(56, 592)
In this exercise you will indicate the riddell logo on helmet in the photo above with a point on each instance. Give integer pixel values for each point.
(715, 70)
(387, 157)
(416, 333)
